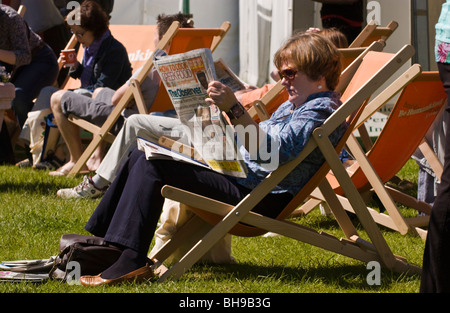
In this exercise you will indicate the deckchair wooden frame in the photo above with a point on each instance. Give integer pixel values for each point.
(352, 246)
(22, 10)
(370, 109)
(134, 93)
(373, 32)
(388, 195)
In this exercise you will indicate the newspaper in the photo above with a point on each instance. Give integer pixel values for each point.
(26, 270)
(186, 77)
(22, 277)
(167, 148)
(226, 76)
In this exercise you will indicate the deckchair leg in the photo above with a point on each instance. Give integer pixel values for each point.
(354, 197)
(307, 207)
(336, 208)
(189, 229)
(194, 255)
(409, 201)
(208, 241)
(96, 140)
(378, 185)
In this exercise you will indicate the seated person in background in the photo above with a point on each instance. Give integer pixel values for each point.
(105, 62)
(31, 62)
(97, 110)
(248, 96)
(128, 213)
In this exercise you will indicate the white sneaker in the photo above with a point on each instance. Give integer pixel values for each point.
(85, 189)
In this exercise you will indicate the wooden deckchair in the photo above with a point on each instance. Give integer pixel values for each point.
(422, 97)
(22, 10)
(180, 40)
(241, 221)
(373, 32)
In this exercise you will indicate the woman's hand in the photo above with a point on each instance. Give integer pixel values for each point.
(64, 62)
(7, 56)
(221, 95)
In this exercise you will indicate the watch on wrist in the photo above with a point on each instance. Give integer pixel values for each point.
(236, 111)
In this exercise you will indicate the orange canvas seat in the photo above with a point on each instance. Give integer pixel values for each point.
(411, 117)
(421, 98)
(139, 41)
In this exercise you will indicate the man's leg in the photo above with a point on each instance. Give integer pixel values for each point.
(69, 131)
(150, 127)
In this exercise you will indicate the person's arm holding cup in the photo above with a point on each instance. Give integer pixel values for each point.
(69, 58)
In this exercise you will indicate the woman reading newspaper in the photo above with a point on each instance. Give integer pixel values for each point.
(309, 66)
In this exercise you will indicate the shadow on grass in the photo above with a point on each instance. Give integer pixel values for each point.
(29, 187)
(346, 277)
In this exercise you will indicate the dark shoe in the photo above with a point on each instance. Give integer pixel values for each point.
(24, 163)
(142, 274)
(52, 163)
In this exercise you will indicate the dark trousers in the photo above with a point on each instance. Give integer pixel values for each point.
(30, 79)
(436, 260)
(130, 209)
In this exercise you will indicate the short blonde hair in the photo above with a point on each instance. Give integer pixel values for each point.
(313, 55)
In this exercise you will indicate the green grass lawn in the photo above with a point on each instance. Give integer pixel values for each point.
(32, 219)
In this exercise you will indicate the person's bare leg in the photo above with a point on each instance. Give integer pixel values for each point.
(69, 131)
(96, 158)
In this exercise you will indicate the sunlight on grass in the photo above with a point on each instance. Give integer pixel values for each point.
(32, 219)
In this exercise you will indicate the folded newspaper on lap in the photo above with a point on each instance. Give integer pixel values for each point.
(167, 148)
(186, 77)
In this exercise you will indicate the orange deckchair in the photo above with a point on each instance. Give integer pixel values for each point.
(241, 221)
(179, 40)
(350, 54)
(422, 97)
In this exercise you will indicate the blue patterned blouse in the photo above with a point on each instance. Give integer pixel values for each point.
(290, 130)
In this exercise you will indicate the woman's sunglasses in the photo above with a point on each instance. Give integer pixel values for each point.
(288, 74)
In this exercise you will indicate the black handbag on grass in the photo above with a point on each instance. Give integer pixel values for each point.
(78, 255)
(90, 256)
